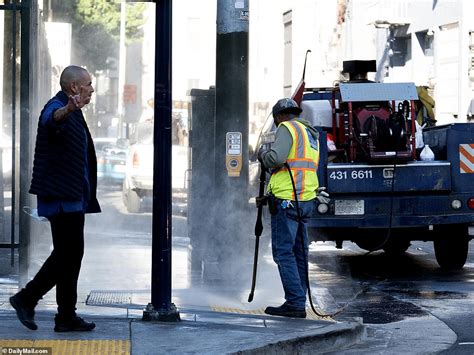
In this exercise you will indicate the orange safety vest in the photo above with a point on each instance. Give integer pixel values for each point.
(303, 161)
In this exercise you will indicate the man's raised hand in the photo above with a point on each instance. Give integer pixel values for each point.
(77, 101)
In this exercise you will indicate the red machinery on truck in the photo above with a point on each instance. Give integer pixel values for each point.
(383, 195)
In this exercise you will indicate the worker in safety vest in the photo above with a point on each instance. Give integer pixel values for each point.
(290, 199)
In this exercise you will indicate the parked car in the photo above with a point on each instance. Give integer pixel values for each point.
(137, 187)
(137, 191)
(111, 158)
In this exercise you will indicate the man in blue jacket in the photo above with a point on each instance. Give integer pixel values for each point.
(65, 181)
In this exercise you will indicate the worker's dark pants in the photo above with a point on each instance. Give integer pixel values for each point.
(62, 267)
(290, 250)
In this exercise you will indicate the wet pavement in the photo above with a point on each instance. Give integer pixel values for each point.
(408, 304)
(197, 332)
(214, 318)
(379, 308)
(389, 301)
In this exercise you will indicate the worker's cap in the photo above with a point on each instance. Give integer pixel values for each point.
(286, 105)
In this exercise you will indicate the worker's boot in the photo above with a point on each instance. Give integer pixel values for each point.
(286, 311)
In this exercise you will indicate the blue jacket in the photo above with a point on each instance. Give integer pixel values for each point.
(59, 164)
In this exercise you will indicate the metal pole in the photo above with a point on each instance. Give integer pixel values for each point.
(231, 210)
(161, 308)
(25, 163)
(2, 187)
(122, 67)
(13, 135)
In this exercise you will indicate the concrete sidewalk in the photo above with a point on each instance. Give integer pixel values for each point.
(121, 331)
(214, 319)
(202, 330)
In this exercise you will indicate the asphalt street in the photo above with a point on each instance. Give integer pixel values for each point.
(407, 303)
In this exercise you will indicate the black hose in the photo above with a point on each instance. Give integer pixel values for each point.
(298, 213)
(390, 220)
(404, 108)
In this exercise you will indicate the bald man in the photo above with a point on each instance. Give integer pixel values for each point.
(64, 181)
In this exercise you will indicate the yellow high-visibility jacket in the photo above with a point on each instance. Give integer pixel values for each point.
(303, 160)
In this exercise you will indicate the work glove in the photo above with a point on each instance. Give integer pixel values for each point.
(260, 154)
(261, 201)
(322, 196)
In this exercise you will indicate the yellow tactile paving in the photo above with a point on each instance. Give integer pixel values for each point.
(72, 347)
(311, 315)
(261, 311)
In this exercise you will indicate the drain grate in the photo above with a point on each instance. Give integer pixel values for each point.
(109, 298)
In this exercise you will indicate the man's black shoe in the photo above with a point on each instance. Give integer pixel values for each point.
(286, 311)
(76, 324)
(25, 314)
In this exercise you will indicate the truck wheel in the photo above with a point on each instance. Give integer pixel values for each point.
(451, 248)
(372, 239)
(124, 192)
(369, 244)
(133, 202)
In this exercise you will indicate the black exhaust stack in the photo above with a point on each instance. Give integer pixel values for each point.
(358, 69)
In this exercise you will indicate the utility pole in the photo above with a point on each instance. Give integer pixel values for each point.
(161, 308)
(231, 138)
(122, 68)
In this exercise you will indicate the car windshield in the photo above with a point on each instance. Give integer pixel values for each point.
(103, 145)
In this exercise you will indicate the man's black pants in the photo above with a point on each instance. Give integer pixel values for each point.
(62, 267)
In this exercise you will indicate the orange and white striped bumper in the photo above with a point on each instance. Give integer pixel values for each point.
(466, 158)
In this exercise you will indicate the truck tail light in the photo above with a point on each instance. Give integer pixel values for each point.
(470, 203)
(136, 160)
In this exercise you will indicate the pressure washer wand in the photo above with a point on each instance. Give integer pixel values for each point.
(258, 229)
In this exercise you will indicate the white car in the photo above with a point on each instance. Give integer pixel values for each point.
(137, 190)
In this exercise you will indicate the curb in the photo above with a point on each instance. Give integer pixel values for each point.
(316, 343)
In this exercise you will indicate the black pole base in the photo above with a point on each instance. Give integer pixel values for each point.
(170, 314)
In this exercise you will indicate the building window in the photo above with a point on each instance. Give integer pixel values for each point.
(288, 51)
(399, 51)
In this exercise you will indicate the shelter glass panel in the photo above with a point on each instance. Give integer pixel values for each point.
(10, 48)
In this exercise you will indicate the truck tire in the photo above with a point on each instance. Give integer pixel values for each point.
(371, 239)
(124, 192)
(451, 247)
(396, 246)
(133, 202)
